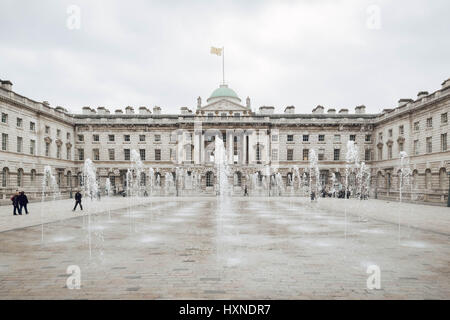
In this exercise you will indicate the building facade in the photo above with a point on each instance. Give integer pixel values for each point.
(34, 135)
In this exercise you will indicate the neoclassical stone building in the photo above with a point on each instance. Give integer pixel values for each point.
(34, 134)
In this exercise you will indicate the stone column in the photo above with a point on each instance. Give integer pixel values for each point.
(243, 147)
(230, 142)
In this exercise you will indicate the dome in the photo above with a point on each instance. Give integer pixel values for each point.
(223, 92)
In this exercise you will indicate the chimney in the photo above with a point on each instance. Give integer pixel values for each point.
(266, 109)
(422, 94)
(331, 111)
(446, 83)
(129, 110)
(156, 110)
(118, 111)
(343, 111)
(144, 110)
(289, 110)
(184, 110)
(88, 110)
(403, 102)
(6, 84)
(318, 110)
(360, 109)
(102, 110)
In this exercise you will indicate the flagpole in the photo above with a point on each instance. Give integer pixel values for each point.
(223, 65)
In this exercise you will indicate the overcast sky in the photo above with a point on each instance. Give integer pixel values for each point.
(303, 53)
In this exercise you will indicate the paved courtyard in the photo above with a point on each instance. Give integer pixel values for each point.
(241, 248)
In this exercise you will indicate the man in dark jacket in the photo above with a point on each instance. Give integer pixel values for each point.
(77, 200)
(23, 201)
(15, 202)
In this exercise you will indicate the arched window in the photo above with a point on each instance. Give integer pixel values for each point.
(20, 177)
(388, 180)
(209, 179)
(5, 177)
(379, 179)
(442, 178)
(428, 183)
(237, 179)
(33, 177)
(143, 179)
(415, 178)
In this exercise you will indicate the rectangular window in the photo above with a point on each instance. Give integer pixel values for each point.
(47, 130)
(290, 154)
(368, 138)
(389, 152)
(305, 154)
(126, 153)
(400, 146)
(321, 155)
(367, 153)
(158, 154)
(235, 146)
(416, 147)
(237, 115)
(80, 138)
(290, 137)
(416, 126)
(4, 117)
(429, 122)
(111, 154)
(68, 153)
(321, 137)
(32, 146)
(274, 138)
(19, 144)
(157, 137)
(81, 154)
(401, 129)
(210, 115)
(336, 154)
(444, 118)
(390, 133)
(19, 122)
(4, 142)
(380, 153)
(96, 138)
(47, 149)
(142, 154)
(380, 136)
(274, 154)
(68, 135)
(126, 138)
(32, 126)
(58, 152)
(96, 154)
(352, 137)
(305, 137)
(58, 133)
(429, 145)
(337, 138)
(111, 137)
(444, 142)
(142, 137)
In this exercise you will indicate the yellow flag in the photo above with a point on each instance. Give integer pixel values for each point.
(217, 51)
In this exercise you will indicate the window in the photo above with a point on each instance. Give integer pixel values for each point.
(274, 138)
(58, 152)
(5, 177)
(4, 117)
(58, 133)
(352, 137)
(237, 115)
(68, 153)
(390, 133)
(157, 137)
(321, 155)
(111, 154)
(258, 152)
(111, 137)
(274, 154)
(47, 149)
(416, 147)
(367, 155)
(401, 129)
(158, 154)
(444, 142)
(235, 146)
(429, 145)
(305, 154)
(429, 122)
(380, 153)
(142, 154)
(416, 126)
(210, 115)
(321, 137)
(68, 135)
(19, 144)
(172, 155)
(142, 137)
(390, 152)
(96, 138)
(32, 146)
(290, 137)
(444, 118)
(19, 178)
(209, 179)
(223, 115)
(305, 137)
(81, 154)
(337, 138)
(336, 154)
(32, 126)
(237, 179)
(47, 130)
(126, 154)
(126, 138)
(19, 122)
(96, 154)
(80, 138)
(380, 136)
(400, 146)
(224, 137)
(368, 138)
(4, 142)
(290, 154)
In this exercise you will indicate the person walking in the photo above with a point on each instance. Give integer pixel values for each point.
(23, 201)
(15, 202)
(78, 197)
(245, 191)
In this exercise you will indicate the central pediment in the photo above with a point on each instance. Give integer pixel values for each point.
(223, 105)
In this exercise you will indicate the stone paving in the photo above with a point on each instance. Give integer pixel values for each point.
(241, 248)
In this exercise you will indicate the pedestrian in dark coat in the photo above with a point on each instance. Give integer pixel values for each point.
(23, 201)
(15, 202)
(245, 191)
(78, 197)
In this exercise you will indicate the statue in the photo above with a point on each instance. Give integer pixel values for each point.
(199, 102)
